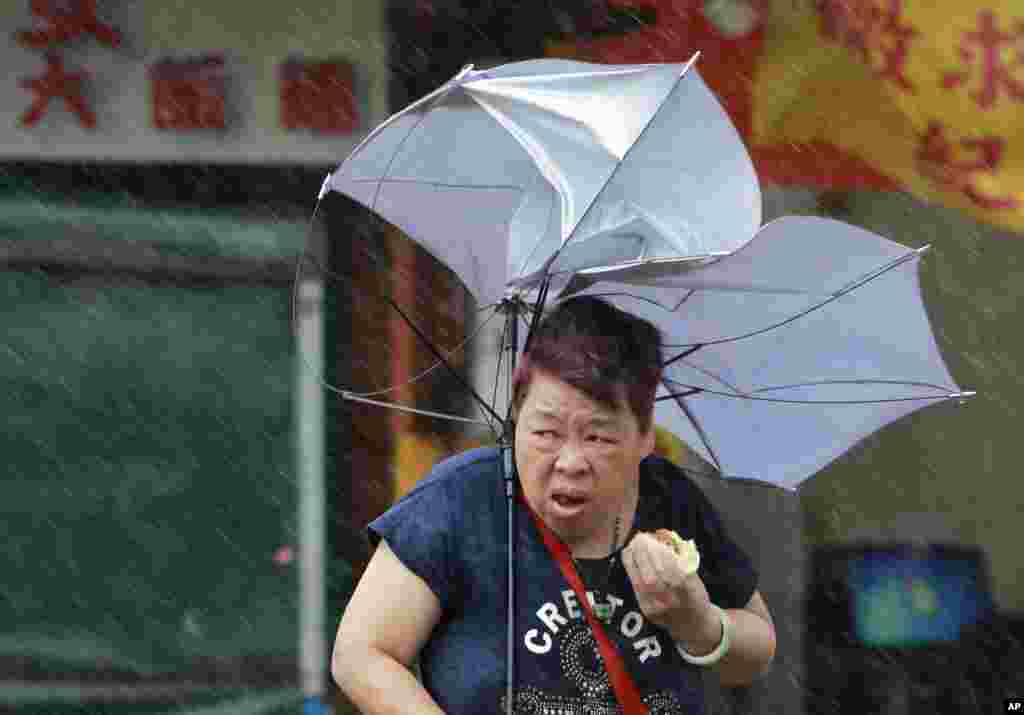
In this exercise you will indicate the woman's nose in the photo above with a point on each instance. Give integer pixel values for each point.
(571, 458)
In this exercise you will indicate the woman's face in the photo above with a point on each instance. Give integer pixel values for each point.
(578, 461)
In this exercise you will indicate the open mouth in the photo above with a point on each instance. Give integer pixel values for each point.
(567, 501)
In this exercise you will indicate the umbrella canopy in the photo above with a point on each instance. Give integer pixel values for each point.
(630, 182)
(786, 353)
(550, 166)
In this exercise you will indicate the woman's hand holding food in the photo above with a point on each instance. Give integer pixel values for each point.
(663, 570)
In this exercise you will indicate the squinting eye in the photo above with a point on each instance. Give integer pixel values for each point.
(544, 433)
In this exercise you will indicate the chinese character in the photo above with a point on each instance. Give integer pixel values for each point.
(935, 156)
(65, 21)
(57, 83)
(188, 94)
(875, 32)
(318, 96)
(994, 69)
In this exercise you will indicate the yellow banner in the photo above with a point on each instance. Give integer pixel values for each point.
(931, 94)
(927, 97)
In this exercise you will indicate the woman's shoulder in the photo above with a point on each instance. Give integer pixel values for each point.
(666, 476)
(448, 487)
(471, 460)
(465, 467)
(665, 483)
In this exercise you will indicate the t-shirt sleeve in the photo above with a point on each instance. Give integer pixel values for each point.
(727, 571)
(419, 530)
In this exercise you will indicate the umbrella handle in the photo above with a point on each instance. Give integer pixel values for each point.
(508, 464)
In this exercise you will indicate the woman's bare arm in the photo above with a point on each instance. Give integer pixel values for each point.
(387, 621)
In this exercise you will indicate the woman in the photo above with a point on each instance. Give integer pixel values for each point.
(435, 589)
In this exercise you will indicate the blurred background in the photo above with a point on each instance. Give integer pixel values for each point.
(183, 500)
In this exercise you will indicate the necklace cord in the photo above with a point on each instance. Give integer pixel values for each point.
(611, 559)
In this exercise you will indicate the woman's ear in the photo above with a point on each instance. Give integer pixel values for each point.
(650, 439)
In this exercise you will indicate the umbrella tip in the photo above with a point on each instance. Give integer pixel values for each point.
(923, 249)
(324, 187)
(466, 71)
(690, 62)
(963, 396)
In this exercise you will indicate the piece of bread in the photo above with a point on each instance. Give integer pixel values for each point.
(685, 549)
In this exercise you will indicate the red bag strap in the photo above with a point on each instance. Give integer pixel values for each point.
(623, 685)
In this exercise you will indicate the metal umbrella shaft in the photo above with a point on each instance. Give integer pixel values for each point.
(510, 492)
(512, 330)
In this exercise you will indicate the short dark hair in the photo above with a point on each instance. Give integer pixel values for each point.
(606, 353)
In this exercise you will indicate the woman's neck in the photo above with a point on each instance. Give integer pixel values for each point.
(605, 541)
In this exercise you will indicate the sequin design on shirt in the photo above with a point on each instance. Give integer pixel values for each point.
(581, 664)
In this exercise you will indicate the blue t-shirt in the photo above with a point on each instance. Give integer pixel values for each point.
(451, 530)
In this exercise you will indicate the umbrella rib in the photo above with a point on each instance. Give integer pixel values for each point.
(685, 408)
(709, 373)
(620, 162)
(352, 397)
(394, 156)
(689, 294)
(540, 241)
(693, 389)
(386, 180)
(430, 369)
(849, 288)
(538, 310)
(645, 299)
(513, 334)
(501, 358)
(856, 283)
(864, 381)
(684, 354)
(419, 334)
(444, 89)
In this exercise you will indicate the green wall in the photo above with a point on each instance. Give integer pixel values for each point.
(947, 472)
(146, 448)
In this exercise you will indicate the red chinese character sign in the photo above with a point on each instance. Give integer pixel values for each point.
(318, 96)
(876, 30)
(993, 60)
(964, 168)
(188, 94)
(67, 21)
(929, 94)
(60, 23)
(57, 83)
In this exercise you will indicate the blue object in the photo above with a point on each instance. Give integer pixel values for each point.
(906, 597)
(315, 706)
